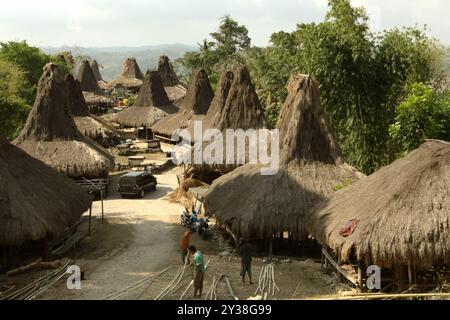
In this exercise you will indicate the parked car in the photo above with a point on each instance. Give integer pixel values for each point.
(136, 183)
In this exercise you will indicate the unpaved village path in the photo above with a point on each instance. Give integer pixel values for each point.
(140, 237)
(137, 238)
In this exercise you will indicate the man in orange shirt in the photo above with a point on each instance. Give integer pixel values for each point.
(184, 244)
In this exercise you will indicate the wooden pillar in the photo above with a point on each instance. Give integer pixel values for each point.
(341, 278)
(103, 212)
(360, 276)
(321, 261)
(90, 218)
(410, 278)
(271, 246)
(5, 257)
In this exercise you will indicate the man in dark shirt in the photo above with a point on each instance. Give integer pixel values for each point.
(245, 250)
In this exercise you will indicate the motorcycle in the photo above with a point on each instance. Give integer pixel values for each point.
(202, 227)
(185, 219)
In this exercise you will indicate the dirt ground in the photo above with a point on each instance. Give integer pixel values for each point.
(140, 237)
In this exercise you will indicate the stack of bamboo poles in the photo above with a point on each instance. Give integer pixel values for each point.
(131, 288)
(191, 283)
(266, 282)
(36, 288)
(175, 282)
(211, 294)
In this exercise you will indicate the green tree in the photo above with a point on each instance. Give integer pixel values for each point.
(424, 114)
(223, 51)
(363, 75)
(13, 114)
(13, 109)
(30, 60)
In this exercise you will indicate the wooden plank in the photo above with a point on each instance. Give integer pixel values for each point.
(338, 268)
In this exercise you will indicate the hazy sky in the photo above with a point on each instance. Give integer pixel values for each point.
(151, 22)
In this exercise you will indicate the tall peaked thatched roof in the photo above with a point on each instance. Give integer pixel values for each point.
(165, 70)
(96, 70)
(241, 110)
(221, 94)
(305, 132)
(77, 103)
(403, 211)
(152, 104)
(89, 125)
(152, 92)
(131, 69)
(90, 87)
(131, 77)
(50, 133)
(255, 205)
(86, 77)
(35, 200)
(194, 106)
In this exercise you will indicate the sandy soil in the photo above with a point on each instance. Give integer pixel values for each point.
(140, 237)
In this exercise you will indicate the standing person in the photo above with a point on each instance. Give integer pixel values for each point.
(199, 270)
(245, 250)
(184, 245)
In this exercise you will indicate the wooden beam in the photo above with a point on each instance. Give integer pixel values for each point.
(338, 268)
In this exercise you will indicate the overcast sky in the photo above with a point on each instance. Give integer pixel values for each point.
(151, 22)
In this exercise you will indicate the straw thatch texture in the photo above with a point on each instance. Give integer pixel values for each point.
(151, 105)
(241, 108)
(194, 106)
(98, 76)
(92, 92)
(86, 77)
(131, 77)
(165, 70)
(256, 206)
(96, 70)
(87, 124)
(175, 93)
(235, 106)
(35, 200)
(403, 211)
(50, 133)
(77, 104)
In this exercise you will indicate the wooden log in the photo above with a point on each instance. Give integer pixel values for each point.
(230, 289)
(339, 269)
(24, 268)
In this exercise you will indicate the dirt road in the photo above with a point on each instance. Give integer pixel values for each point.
(137, 238)
(140, 237)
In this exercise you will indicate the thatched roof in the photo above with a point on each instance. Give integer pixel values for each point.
(175, 93)
(403, 211)
(195, 105)
(86, 77)
(152, 104)
(255, 205)
(165, 70)
(235, 106)
(96, 70)
(241, 109)
(77, 104)
(92, 92)
(131, 76)
(89, 125)
(35, 200)
(50, 133)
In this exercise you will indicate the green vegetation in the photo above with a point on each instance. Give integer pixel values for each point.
(224, 51)
(20, 69)
(384, 92)
(363, 77)
(424, 114)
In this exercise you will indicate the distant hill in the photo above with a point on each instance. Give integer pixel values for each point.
(111, 58)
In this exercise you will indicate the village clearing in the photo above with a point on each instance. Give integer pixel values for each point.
(140, 237)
